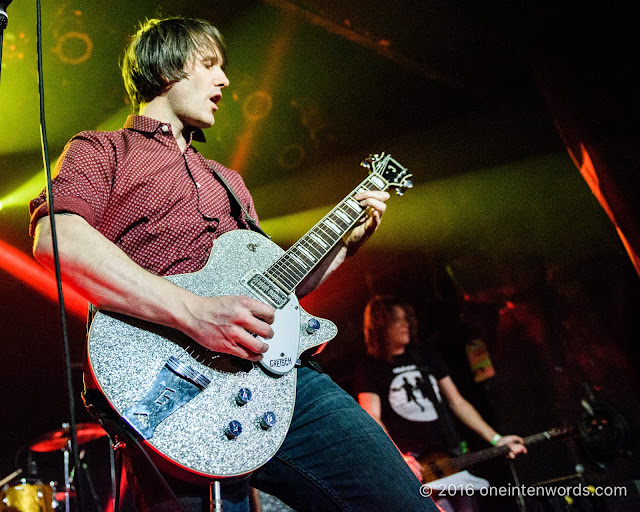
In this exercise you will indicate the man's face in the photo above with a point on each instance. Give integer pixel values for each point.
(398, 331)
(194, 99)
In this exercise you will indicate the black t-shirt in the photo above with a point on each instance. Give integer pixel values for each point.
(412, 407)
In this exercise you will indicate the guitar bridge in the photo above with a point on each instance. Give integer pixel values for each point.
(175, 385)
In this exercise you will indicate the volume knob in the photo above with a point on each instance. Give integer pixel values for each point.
(268, 420)
(233, 430)
(312, 326)
(243, 396)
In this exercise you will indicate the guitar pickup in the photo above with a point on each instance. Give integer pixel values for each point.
(175, 385)
(266, 289)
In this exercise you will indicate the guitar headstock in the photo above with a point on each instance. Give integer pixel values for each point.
(395, 175)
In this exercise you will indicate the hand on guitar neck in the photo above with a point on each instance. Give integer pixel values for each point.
(514, 443)
(435, 466)
(439, 465)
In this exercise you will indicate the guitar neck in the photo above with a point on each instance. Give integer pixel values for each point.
(303, 256)
(469, 459)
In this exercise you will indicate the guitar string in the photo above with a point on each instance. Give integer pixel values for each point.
(286, 268)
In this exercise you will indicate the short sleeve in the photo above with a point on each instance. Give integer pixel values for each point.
(364, 378)
(437, 366)
(82, 180)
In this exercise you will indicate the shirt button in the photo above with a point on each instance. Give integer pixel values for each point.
(164, 128)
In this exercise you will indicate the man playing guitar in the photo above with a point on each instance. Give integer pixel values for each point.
(139, 204)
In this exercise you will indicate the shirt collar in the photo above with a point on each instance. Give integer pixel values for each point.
(148, 125)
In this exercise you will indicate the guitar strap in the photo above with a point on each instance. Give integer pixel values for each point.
(246, 216)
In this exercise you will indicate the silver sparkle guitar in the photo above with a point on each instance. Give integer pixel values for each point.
(210, 414)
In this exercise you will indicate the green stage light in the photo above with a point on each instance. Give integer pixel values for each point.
(21, 196)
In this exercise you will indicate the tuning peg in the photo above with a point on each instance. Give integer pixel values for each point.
(405, 185)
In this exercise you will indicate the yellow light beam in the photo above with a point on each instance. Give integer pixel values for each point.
(537, 206)
(24, 193)
(21, 196)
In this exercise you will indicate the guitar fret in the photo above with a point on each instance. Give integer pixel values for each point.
(332, 236)
(377, 181)
(333, 226)
(354, 205)
(285, 269)
(316, 252)
(286, 277)
(319, 240)
(290, 274)
(344, 216)
(299, 261)
(294, 257)
(283, 283)
(307, 254)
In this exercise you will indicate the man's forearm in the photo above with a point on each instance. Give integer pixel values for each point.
(105, 275)
(468, 414)
(324, 269)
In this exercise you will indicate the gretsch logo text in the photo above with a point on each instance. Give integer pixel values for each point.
(276, 363)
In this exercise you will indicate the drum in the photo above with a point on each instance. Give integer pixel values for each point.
(24, 497)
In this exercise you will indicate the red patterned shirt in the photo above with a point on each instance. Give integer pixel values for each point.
(163, 207)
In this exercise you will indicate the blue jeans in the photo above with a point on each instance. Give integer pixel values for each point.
(337, 458)
(334, 458)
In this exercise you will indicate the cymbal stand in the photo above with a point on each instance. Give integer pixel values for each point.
(67, 476)
(519, 499)
(215, 497)
(115, 487)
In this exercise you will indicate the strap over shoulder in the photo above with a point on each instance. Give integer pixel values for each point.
(250, 221)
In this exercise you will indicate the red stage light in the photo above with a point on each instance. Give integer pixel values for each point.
(26, 269)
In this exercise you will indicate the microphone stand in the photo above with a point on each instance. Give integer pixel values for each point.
(4, 20)
(61, 306)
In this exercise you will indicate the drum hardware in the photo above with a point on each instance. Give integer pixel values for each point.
(61, 440)
(27, 497)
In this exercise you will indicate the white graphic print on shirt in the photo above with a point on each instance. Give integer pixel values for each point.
(408, 396)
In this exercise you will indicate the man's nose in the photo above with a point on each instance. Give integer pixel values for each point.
(221, 79)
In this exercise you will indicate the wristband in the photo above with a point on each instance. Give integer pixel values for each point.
(495, 439)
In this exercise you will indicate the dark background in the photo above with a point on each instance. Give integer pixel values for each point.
(500, 238)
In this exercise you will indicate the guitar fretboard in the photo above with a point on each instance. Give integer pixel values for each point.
(473, 458)
(302, 257)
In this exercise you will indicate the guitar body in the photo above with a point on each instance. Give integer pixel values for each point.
(436, 466)
(181, 397)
